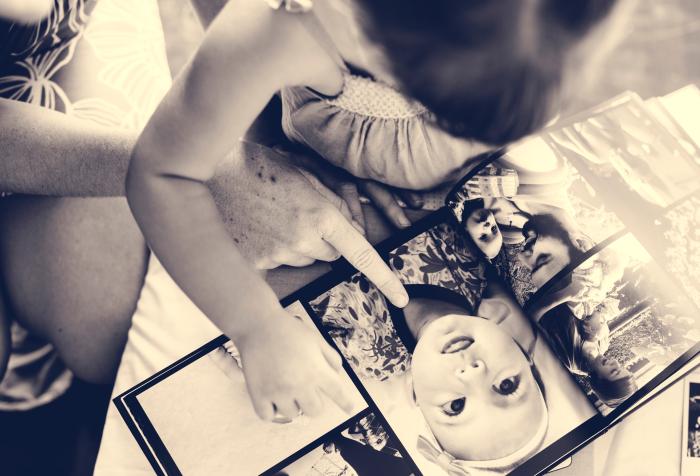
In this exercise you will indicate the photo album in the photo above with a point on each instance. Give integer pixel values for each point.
(557, 286)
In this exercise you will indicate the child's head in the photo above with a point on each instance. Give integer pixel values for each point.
(477, 389)
(610, 381)
(481, 226)
(595, 326)
(489, 70)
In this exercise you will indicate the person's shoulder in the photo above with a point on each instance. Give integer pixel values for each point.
(277, 37)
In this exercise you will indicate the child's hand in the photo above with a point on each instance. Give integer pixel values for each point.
(288, 367)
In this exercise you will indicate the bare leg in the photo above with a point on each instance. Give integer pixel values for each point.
(73, 269)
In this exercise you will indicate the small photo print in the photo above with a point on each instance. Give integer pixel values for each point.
(693, 423)
(616, 321)
(630, 157)
(492, 414)
(531, 214)
(203, 415)
(678, 239)
(363, 448)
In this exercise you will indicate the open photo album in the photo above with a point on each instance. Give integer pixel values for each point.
(557, 286)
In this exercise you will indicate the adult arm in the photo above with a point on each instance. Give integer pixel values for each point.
(45, 152)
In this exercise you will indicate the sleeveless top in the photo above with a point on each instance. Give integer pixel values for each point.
(370, 129)
(30, 56)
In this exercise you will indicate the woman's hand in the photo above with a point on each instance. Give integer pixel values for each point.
(386, 198)
(289, 368)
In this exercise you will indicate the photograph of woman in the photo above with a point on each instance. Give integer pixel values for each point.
(616, 320)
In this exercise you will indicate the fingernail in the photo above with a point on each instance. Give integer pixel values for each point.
(282, 420)
(404, 222)
(399, 298)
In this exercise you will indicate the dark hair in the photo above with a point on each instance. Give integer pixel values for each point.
(613, 392)
(489, 70)
(470, 206)
(545, 224)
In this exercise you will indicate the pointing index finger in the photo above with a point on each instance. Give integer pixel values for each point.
(356, 249)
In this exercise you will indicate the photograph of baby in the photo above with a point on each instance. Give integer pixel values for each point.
(616, 321)
(530, 213)
(204, 417)
(630, 158)
(459, 373)
(363, 448)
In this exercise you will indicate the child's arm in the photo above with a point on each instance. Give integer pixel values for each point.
(248, 53)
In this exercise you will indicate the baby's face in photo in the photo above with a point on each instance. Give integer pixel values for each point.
(481, 226)
(475, 388)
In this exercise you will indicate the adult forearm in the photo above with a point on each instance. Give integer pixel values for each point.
(44, 152)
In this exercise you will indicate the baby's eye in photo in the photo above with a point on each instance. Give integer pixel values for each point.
(483, 237)
(508, 386)
(454, 407)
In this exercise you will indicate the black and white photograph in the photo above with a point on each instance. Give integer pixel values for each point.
(693, 420)
(531, 219)
(424, 231)
(690, 425)
(364, 448)
(459, 371)
(616, 321)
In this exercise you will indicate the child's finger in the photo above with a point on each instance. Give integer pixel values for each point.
(348, 192)
(332, 356)
(263, 407)
(310, 403)
(287, 406)
(412, 199)
(384, 199)
(336, 390)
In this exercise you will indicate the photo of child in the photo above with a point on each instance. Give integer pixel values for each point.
(457, 373)
(363, 448)
(531, 218)
(616, 321)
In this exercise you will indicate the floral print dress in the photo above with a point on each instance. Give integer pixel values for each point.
(356, 314)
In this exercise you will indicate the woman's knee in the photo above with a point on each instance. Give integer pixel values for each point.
(73, 270)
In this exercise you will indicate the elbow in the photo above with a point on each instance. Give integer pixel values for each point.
(138, 182)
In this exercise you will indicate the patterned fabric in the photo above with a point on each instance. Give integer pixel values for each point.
(32, 55)
(355, 313)
(511, 269)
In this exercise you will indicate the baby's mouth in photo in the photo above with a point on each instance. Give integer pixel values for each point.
(456, 344)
